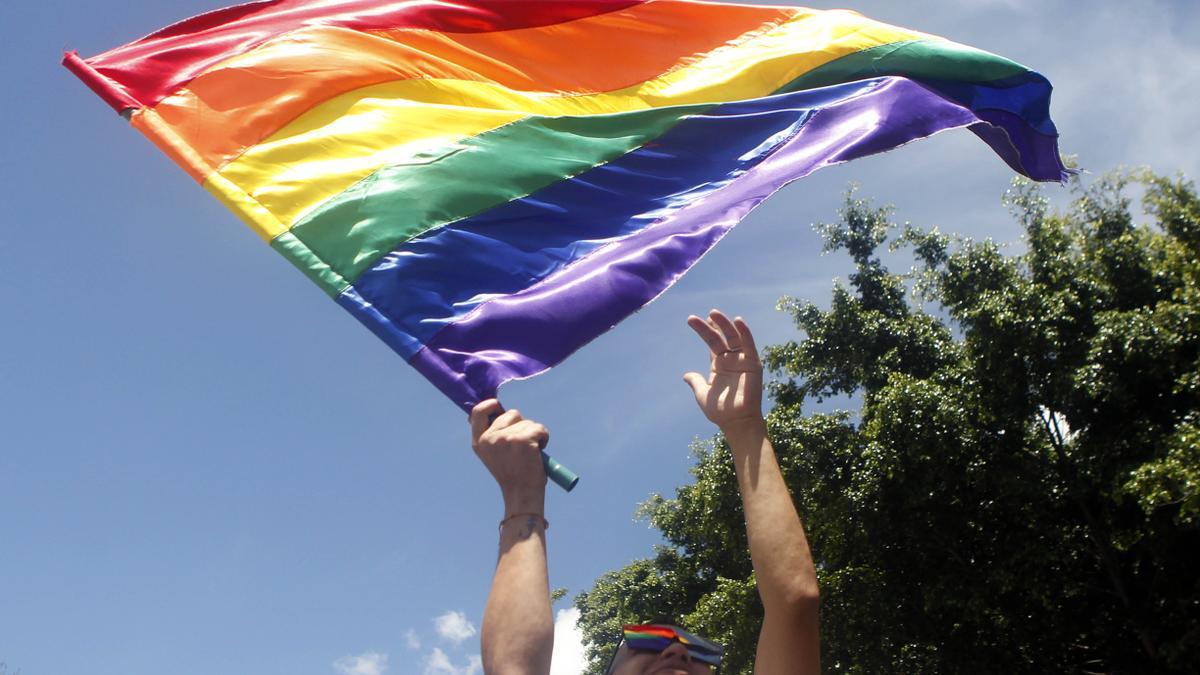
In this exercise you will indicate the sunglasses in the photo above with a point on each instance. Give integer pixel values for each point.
(657, 637)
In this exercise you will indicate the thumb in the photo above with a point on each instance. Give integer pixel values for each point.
(482, 416)
(697, 382)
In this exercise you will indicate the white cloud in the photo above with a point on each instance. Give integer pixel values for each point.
(437, 663)
(368, 663)
(453, 626)
(411, 639)
(568, 656)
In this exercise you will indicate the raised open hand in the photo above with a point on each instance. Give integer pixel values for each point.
(732, 392)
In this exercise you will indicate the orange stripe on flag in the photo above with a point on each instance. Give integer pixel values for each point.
(245, 99)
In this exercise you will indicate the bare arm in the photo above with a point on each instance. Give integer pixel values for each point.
(731, 397)
(518, 631)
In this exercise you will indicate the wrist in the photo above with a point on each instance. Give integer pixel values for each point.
(531, 520)
(525, 501)
(744, 429)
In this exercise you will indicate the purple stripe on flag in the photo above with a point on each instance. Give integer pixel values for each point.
(525, 333)
(1029, 152)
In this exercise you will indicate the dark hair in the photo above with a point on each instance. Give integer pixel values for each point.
(668, 620)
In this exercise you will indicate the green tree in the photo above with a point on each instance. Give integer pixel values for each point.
(1020, 490)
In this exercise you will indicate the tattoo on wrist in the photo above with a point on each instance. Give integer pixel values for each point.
(531, 521)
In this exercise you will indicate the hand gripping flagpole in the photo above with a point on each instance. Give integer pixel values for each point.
(561, 475)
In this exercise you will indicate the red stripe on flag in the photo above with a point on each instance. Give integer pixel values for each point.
(150, 69)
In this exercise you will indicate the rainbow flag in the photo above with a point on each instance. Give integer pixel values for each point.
(490, 184)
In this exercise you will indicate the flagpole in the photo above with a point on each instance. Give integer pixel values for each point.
(561, 475)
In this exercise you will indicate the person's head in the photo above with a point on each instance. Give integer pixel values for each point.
(663, 649)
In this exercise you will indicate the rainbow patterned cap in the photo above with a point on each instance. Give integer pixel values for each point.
(657, 637)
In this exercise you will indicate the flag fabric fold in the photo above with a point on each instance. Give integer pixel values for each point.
(488, 185)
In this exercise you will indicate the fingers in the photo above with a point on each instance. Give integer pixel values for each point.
(490, 416)
(708, 333)
(749, 349)
(507, 418)
(530, 431)
(728, 331)
(723, 335)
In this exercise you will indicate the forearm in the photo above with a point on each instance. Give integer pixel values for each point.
(518, 631)
(789, 642)
(783, 565)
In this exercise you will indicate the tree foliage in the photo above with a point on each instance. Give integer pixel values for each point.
(1020, 490)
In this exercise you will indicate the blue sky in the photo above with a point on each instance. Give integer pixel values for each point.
(208, 467)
